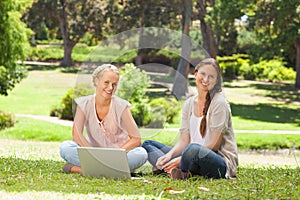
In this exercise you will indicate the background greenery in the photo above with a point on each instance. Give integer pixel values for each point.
(255, 106)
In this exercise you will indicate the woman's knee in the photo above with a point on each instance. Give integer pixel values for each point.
(146, 143)
(142, 153)
(66, 147)
(191, 149)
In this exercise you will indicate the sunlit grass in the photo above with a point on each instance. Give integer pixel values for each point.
(39, 175)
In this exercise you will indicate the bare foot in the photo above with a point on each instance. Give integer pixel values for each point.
(76, 169)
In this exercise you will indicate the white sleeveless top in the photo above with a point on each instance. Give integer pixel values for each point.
(195, 136)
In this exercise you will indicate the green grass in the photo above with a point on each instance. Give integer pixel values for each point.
(35, 130)
(33, 171)
(38, 92)
(30, 129)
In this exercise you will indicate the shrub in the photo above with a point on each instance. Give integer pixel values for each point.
(230, 65)
(163, 110)
(66, 108)
(271, 70)
(6, 120)
(132, 87)
(252, 72)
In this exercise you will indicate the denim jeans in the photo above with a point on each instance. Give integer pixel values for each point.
(195, 158)
(136, 157)
(155, 150)
(202, 161)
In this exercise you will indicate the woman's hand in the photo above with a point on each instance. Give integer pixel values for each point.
(174, 163)
(162, 160)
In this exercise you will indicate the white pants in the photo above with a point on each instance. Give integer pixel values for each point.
(136, 157)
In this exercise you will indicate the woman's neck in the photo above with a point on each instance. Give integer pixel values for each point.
(102, 102)
(202, 95)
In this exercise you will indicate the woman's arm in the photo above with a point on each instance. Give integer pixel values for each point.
(77, 130)
(217, 123)
(132, 129)
(215, 141)
(165, 161)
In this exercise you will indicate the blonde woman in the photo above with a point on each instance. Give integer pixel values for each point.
(108, 122)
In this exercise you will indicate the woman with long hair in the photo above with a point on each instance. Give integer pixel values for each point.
(207, 145)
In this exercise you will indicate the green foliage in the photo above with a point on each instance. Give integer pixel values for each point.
(163, 110)
(230, 65)
(13, 39)
(271, 70)
(238, 65)
(6, 120)
(46, 53)
(132, 87)
(66, 108)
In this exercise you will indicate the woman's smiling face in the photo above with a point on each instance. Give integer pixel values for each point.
(206, 77)
(107, 84)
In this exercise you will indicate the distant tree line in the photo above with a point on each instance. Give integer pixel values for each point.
(261, 29)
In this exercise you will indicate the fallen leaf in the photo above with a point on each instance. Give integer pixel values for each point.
(203, 189)
(176, 191)
(168, 188)
(147, 181)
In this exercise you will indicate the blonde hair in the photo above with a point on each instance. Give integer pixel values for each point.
(99, 71)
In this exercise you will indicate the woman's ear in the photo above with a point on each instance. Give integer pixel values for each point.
(195, 73)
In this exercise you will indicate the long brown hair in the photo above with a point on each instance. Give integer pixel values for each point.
(211, 93)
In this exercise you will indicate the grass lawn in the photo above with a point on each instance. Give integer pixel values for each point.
(35, 130)
(37, 93)
(32, 170)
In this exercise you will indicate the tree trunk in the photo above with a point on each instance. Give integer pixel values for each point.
(180, 86)
(67, 60)
(297, 45)
(68, 44)
(208, 36)
(140, 54)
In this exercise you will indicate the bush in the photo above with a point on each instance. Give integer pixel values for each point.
(163, 110)
(67, 106)
(271, 70)
(132, 87)
(6, 120)
(230, 65)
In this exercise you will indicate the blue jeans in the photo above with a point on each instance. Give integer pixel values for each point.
(202, 161)
(136, 157)
(155, 150)
(195, 158)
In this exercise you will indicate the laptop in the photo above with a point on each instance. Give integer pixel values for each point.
(104, 162)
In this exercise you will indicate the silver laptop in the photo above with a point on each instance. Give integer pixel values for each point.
(104, 162)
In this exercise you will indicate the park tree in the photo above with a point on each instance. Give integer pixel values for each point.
(144, 14)
(277, 25)
(217, 24)
(13, 40)
(218, 30)
(74, 18)
(180, 86)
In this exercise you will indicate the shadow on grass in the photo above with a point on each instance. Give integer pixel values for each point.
(18, 175)
(72, 69)
(266, 113)
(279, 91)
(282, 92)
(42, 67)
